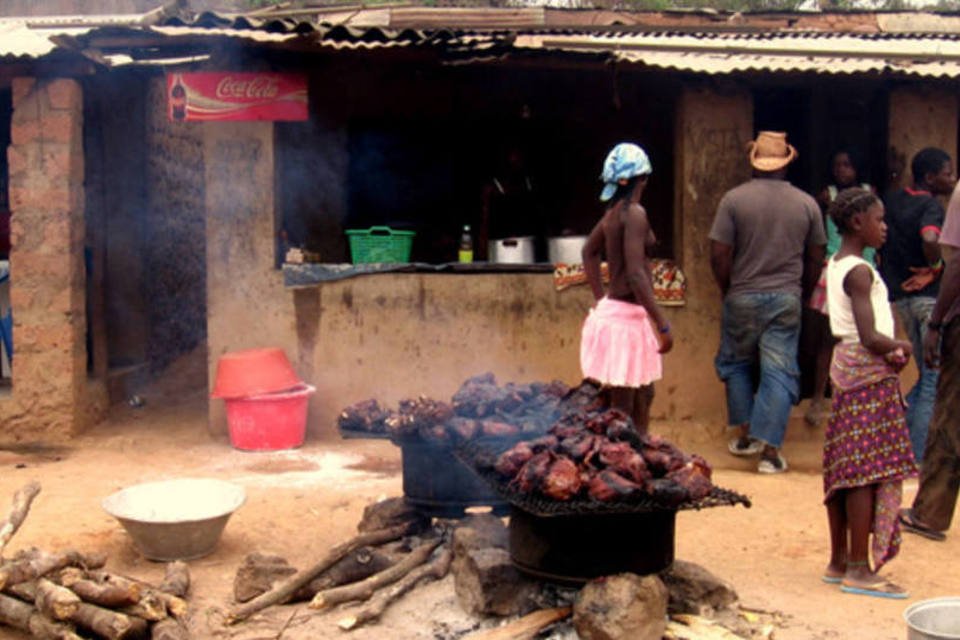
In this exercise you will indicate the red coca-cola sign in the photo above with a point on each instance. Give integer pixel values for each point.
(217, 95)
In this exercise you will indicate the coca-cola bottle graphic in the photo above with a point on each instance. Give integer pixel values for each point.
(178, 99)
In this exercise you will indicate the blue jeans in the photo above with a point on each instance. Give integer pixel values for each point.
(759, 337)
(915, 313)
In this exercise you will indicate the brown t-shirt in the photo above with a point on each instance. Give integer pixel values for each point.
(769, 223)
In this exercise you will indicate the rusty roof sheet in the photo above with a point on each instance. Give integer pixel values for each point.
(880, 44)
(927, 55)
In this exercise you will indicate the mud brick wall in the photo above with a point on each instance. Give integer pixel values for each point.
(52, 397)
(712, 130)
(920, 117)
(175, 259)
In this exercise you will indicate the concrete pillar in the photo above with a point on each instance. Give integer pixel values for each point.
(47, 270)
(919, 117)
(712, 130)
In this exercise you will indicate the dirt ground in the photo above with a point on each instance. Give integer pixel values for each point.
(301, 502)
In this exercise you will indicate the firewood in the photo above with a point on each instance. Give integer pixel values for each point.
(26, 591)
(176, 579)
(46, 629)
(433, 570)
(109, 624)
(18, 513)
(169, 629)
(25, 617)
(260, 572)
(55, 601)
(282, 592)
(523, 628)
(364, 589)
(110, 593)
(357, 566)
(150, 607)
(176, 607)
(40, 563)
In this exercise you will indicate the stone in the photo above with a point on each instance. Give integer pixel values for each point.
(487, 583)
(621, 607)
(695, 590)
(257, 575)
(390, 513)
(479, 531)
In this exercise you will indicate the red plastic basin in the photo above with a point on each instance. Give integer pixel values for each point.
(270, 421)
(252, 372)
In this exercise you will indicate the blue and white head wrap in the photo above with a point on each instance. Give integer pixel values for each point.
(625, 161)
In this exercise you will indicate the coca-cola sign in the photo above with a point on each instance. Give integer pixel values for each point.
(215, 95)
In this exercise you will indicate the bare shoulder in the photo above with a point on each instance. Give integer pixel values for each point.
(635, 214)
(859, 279)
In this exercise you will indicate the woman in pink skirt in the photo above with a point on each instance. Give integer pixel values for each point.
(625, 331)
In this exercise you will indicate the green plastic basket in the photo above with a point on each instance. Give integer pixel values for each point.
(380, 244)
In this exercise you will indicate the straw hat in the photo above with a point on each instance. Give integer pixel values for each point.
(770, 151)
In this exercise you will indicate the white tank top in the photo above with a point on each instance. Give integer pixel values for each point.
(842, 323)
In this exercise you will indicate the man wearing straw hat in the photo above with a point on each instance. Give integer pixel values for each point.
(767, 242)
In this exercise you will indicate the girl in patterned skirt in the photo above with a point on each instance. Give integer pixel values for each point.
(867, 452)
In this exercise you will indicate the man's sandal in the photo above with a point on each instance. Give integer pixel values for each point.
(909, 523)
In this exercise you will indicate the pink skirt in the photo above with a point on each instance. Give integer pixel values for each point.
(618, 346)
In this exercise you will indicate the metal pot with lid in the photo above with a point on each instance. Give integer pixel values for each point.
(566, 249)
(519, 250)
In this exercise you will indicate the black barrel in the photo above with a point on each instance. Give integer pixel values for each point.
(572, 549)
(438, 484)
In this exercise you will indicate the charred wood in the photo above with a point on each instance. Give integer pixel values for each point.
(282, 592)
(433, 570)
(365, 588)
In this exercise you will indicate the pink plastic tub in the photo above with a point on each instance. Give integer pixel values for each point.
(270, 421)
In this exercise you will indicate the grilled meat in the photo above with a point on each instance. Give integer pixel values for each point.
(531, 474)
(624, 459)
(363, 416)
(667, 492)
(609, 485)
(579, 446)
(543, 443)
(691, 478)
(498, 429)
(463, 428)
(510, 461)
(562, 481)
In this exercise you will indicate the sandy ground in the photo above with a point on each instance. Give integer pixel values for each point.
(301, 502)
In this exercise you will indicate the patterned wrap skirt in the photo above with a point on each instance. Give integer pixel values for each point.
(867, 442)
(618, 346)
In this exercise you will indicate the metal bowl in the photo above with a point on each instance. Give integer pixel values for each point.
(175, 519)
(935, 619)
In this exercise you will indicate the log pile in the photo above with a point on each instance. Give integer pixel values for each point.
(394, 551)
(67, 595)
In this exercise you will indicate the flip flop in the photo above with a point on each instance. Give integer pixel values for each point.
(831, 579)
(882, 589)
(911, 525)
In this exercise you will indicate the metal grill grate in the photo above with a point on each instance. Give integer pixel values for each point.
(479, 455)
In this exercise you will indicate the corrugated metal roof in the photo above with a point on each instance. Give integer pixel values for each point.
(724, 49)
(724, 53)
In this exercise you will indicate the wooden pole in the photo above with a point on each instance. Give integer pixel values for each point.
(18, 512)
